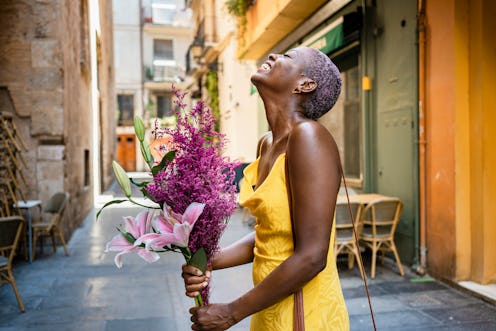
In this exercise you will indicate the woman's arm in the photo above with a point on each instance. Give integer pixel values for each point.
(313, 171)
(238, 253)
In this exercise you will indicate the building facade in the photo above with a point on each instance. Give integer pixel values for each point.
(151, 40)
(57, 82)
(222, 80)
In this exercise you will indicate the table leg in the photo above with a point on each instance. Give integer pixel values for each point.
(30, 237)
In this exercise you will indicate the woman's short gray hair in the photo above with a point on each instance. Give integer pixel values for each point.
(324, 72)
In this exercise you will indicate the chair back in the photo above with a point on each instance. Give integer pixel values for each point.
(56, 206)
(383, 215)
(10, 233)
(343, 217)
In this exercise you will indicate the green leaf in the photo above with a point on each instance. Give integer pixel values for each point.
(199, 260)
(138, 184)
(129, 237)
(146, 194)
(108, 204)
(139, 128)
(145, 151)
(122, 178)
(165, 160)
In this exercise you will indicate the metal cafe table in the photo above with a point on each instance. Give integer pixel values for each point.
(364, 198)
(27, 206)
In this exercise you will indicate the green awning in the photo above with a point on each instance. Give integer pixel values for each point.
(330, 38)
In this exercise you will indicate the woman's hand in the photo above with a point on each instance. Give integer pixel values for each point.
(194, 280)
(214, 317)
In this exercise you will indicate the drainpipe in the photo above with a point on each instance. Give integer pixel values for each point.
(421, 24)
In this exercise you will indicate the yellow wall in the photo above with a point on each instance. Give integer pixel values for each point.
(461, 157)
(269, 21)
(483, 152)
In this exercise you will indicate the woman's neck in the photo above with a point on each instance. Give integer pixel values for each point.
(281, 114)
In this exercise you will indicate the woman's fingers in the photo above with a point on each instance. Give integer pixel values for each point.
(194, 280)
(194, 290)
(189, 269)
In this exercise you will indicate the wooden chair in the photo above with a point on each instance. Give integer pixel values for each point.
(51, 216)
(10, 233)
(345, 242)
(379, 219)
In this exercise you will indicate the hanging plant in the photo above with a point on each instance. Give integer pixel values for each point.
(212, 85)
(238, 8)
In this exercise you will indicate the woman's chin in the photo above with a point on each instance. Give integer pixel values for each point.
(258, 76)
(255, 78)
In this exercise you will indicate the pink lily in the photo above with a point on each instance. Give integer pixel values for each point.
(136, 227)
(173, 228)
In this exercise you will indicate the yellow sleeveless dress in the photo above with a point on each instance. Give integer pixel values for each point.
(323, 300)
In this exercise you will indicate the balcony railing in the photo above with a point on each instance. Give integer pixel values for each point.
(166, 14)
(165, 71)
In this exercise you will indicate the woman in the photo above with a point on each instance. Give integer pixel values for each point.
(296, 176)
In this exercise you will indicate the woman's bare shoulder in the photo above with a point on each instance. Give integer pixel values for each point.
(311, 134)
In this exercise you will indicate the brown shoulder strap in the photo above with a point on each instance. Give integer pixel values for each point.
(362, 270)
(298, 313)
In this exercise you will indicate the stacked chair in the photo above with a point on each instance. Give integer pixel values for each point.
(10, 233)
(12, 165)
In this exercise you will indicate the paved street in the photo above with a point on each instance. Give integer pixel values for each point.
(87, 292)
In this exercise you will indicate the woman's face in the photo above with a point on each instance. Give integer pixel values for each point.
(281, 71)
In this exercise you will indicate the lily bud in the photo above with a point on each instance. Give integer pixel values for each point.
(139, 128)
(122, 178)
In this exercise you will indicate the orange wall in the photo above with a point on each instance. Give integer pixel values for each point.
(440, 133)
(460, 123)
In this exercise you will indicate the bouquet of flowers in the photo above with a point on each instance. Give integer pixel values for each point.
(192, 186)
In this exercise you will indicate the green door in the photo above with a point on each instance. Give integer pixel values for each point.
(396, 115)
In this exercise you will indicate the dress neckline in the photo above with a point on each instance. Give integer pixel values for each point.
(270, 171)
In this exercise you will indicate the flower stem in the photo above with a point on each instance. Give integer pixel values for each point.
(139, 204)
(187, 256)
(198, 301)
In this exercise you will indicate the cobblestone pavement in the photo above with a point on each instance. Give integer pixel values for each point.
(85, 291)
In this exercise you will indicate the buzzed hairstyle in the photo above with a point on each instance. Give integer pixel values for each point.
(324, 72)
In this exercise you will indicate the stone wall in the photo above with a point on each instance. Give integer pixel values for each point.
(45, 57)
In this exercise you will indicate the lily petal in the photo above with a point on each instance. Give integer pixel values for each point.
(181, 234)
(148, 256)
(162, 225)
(118, 257)
(192, 213)
(118, 243)
(146, 238)
(161, 241)
(141, 223)
(131, 226)
(170, 216)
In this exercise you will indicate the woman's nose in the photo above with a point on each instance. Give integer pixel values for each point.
(273, 56)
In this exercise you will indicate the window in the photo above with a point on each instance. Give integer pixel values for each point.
(84, 44)
(345, 119)
(162, 50)
(86, 167)
(125, 102)
(164, 11)
(164, 105)
(352, 119)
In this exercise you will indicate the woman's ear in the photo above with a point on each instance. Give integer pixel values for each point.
(305, 85)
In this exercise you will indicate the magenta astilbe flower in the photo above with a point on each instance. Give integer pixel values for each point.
(198, 173)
